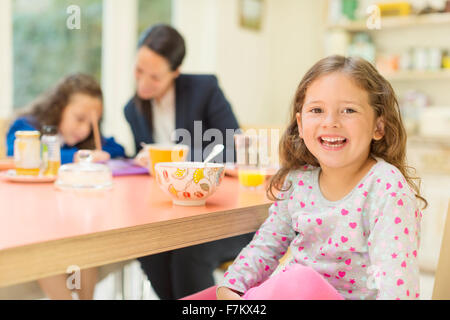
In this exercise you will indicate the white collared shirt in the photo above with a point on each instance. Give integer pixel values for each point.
(164, 117)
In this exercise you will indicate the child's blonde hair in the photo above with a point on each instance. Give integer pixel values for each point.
(392, 147)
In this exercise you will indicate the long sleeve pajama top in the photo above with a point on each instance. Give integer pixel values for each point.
(365, 245)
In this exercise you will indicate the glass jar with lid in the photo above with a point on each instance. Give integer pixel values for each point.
(27, 153)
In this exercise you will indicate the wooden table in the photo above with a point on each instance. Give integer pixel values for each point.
(43, 231)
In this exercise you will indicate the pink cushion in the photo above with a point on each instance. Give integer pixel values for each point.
(207, 294)
(297, 282)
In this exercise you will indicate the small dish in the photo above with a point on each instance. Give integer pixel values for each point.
(11, 175)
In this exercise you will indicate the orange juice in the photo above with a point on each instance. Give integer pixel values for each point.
(251, 177)
(52, 168)
(166, 153)
(50, 150)
(27, 172)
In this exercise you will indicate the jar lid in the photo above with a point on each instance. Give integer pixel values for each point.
(27, 134)
(47, 129)
(84, 175)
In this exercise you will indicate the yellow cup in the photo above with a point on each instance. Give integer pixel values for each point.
(165, 153)
(251, 177)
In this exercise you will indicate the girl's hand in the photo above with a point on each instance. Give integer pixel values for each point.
(97, 156)
(100, 156)
(142, 159)
(224, 293)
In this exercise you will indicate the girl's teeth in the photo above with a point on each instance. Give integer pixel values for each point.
(333, 139)
(333, 142)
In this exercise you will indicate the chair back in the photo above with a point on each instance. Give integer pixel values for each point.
(441, 289)
(4, 123)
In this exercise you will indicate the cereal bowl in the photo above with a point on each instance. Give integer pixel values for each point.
(189, 183)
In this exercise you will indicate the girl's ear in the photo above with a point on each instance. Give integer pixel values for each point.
(379, 129)
(299, 124)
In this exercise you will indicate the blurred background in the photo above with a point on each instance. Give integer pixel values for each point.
(259, 49)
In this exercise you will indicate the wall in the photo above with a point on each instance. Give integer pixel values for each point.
(258, 70)
(119, 42)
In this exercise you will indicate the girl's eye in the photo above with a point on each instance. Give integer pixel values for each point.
(316, 110)
(349, 110)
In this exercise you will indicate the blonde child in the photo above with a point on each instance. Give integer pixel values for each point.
(347, 202)
(71, 106)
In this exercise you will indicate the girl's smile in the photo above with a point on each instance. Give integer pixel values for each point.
(332, 142)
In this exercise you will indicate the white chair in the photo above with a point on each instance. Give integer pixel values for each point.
(441, 290)
(32, 291)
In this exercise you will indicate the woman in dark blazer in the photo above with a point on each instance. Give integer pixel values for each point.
(169, 106)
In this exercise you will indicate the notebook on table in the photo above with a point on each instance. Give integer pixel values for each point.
(125, 167)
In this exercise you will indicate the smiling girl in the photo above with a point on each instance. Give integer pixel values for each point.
(347, 204)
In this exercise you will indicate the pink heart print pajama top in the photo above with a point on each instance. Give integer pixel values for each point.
(365, 245)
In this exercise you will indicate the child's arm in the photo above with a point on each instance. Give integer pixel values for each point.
(224, 293)
(256, 262)
(21, 124)
(393, 245)
(97, 156)
(68, 154)
(113, 148)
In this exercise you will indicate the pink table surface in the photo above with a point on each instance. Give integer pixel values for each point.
(32, 213)
(37, 217)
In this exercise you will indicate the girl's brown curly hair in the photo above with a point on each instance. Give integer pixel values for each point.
(48, 108)
(392, 147)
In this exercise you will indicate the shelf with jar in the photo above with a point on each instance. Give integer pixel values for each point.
(372, 15)
(414, 75)
(407, 64)
(393, 22)
(413, 64)
(411, 61)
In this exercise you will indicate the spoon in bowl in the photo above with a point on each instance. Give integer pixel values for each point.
(218, 148)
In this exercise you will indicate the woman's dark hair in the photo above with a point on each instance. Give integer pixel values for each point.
(168, 43)
(165, 41)
(48, 108)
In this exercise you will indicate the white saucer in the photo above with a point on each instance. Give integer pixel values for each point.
(11, 175)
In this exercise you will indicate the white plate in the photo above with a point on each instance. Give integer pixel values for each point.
(6, 164)
(11, 175)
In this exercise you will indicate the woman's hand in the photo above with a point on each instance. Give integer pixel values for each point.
(224, 293)
(97, 156)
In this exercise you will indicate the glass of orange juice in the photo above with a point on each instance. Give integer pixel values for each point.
(165, 153)
(249, 157)
(251, 176)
